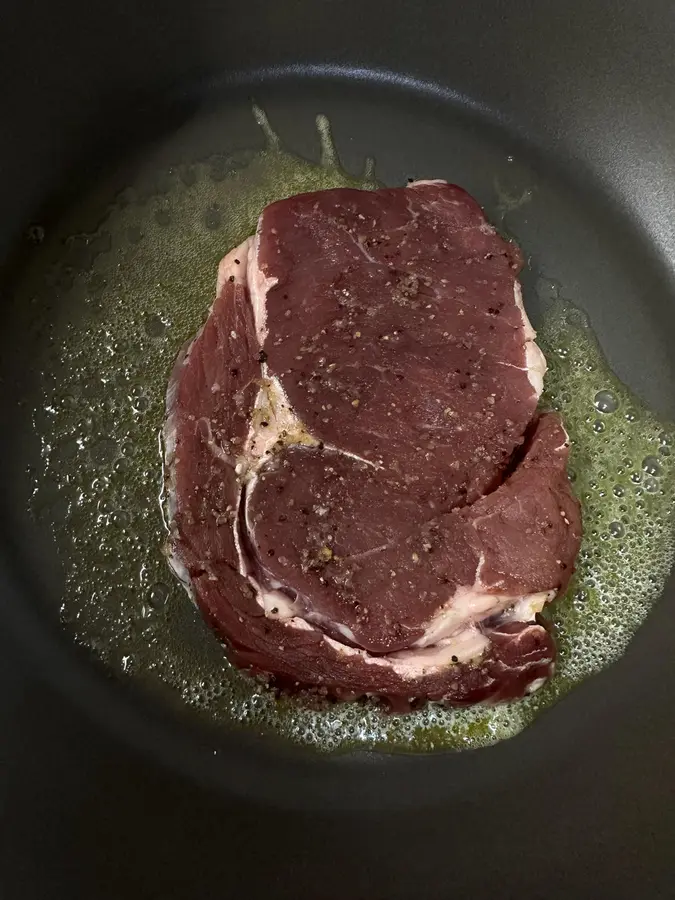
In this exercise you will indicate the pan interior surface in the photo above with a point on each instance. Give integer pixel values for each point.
(166, 212)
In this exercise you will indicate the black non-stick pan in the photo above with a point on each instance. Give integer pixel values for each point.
(110, 792)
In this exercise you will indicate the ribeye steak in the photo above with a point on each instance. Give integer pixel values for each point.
(363, 497)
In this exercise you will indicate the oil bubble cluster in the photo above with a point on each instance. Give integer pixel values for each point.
(627, 492)
(132, 294)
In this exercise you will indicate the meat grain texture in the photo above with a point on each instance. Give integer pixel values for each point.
(363, 498)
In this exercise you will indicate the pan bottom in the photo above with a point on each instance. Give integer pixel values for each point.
(132, 290)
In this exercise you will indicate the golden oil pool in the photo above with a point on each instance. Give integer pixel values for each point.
(141, 286)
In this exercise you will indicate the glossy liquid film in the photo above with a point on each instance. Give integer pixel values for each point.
(133, 293)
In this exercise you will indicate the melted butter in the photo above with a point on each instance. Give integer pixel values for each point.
(135, 291)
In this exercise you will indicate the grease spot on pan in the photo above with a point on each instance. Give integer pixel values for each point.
(134, 292)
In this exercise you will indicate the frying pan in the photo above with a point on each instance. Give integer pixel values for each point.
(113, 794)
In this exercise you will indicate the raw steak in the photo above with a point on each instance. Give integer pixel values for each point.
(362, 495)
